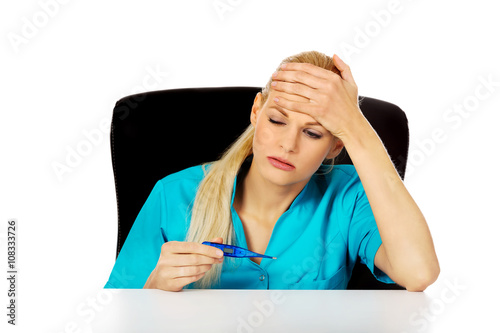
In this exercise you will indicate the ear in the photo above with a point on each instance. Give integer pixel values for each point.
(336, 148)
(256, 109)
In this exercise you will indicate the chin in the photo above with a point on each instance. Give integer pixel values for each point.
(283, 178)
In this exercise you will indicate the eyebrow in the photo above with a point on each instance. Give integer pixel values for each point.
(286, 116)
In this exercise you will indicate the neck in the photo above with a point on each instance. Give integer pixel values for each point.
(263, 200)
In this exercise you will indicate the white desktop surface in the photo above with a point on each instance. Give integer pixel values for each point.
(206, 310)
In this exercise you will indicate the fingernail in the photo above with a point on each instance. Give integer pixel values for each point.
(275, 74)
(220, 253)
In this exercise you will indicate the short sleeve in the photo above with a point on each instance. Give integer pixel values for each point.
(364, 237)
(141, 250)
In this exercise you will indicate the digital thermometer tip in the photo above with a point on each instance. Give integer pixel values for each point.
(236, 251)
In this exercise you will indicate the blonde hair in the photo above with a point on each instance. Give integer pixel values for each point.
(211, 211)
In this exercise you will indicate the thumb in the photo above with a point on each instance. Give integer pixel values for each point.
(344, 69)
(216, 240)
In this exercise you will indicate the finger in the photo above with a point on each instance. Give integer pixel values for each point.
(216, 240)
(180, 260)
(307, 68)
(186, 271)
(298, 76)
(191, 248)
(294, 89)
(344, 69)
(179, 283)
(296, 106)
(173, 272)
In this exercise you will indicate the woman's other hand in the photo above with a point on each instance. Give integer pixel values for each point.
(182, 263)
(332, 99)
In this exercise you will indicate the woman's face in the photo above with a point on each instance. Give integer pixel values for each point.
(288, 147)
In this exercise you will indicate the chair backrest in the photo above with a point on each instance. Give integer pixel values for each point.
(157, 133)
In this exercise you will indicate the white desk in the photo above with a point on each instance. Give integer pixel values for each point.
(259, 311)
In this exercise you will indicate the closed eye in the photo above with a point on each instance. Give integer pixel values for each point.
(275, 122)
(313, 135)
(310, 134)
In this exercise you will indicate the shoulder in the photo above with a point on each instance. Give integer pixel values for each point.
(341, 175)
(186, 178)
(192, 173)
(345, 171)
(341, 183)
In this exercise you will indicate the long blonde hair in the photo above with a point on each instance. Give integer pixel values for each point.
(211, 211)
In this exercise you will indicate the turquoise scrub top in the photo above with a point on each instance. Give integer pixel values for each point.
(316, 241)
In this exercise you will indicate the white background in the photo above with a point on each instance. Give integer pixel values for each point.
(64, 65)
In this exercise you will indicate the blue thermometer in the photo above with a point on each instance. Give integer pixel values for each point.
(235, 251)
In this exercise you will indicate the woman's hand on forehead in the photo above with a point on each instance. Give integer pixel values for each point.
(330, 99)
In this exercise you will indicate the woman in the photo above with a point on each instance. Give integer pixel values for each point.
(275, 191)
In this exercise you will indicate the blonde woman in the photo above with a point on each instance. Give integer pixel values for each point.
(276, 191)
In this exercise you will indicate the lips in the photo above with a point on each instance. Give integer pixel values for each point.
(281, 163)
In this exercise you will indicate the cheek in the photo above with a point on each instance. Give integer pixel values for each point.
(264, 136)
(317, 152)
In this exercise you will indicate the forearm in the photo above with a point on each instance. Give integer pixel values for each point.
(407, 242)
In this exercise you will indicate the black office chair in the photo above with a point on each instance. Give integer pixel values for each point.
(157, 133)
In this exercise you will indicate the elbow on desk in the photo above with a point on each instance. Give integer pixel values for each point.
(420, 282)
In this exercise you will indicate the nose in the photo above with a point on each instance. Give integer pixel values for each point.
(289, 141)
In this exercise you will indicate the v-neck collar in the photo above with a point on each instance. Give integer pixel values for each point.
(238, 225)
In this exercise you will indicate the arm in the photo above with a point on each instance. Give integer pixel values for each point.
(151, 261)
(407, 252)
